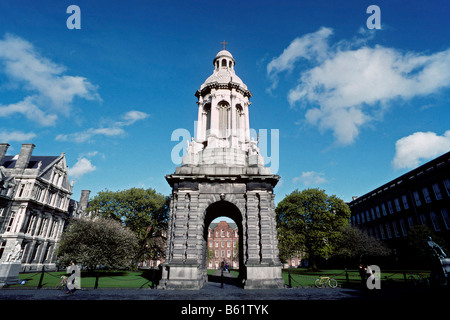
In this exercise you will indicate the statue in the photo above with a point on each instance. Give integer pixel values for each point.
(194, 146)
(253, 147)
(436, 249)
(16, 254)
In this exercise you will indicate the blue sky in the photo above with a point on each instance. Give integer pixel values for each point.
(354, 107)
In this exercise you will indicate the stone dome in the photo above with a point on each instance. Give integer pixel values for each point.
(224, 71)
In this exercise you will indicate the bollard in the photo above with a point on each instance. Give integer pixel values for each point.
(289, 277)
(346, 275)
(96, 280)
(42, 277)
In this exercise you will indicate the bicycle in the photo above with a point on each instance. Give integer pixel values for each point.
(62, 283)
(326, 281)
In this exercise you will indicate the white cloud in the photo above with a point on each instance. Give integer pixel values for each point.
(311, 178)
(310, 46)
(8, 136)
(81, 167)
(115, 129)
(49, 92)
(354, 83)
(412, 149)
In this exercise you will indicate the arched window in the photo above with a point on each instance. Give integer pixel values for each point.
(224, 118)
(229, 64)
(224, 62)
(207, 112)
(239, 111)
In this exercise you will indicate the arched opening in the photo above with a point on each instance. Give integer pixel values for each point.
(223, 247)
(224, 119)
(224, 62)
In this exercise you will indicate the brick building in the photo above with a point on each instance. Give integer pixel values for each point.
(223, 240)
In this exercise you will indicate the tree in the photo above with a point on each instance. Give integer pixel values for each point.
(310, 219)
(143, 211)
(97, 241)
(355, 244)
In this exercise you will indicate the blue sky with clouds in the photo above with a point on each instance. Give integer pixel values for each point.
(354, 107)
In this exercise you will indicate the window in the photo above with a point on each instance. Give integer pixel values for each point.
(20, 192)
(224, 63)
(367, 215)
(447, 186)
(426, 195)
(437, 192)
(416, 198)
(394, 225)
(388, 230)
(382, 232)
(2, 247)
(383, 208)
(373, 213)
(423, 220)
(410, 222)
(435, 221)
(11, 221)
(405, 202)
(403, 227)
(445, 217)
(224, 118)
(222, 233)
(390, 207)
(217, 244)
(397, 204)
(377, 209)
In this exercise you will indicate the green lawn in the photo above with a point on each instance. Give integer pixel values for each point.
(143, 279)
(107, 279)
(305, 278)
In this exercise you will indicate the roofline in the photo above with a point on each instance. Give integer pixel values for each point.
(443, 158)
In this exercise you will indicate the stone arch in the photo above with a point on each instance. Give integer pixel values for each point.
(218, 208)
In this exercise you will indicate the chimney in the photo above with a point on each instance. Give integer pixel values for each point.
(24, 155)
(84, 199)
(3, 148)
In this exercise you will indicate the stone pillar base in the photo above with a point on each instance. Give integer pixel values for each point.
(264, 277)
(9, 273)
(181, 277)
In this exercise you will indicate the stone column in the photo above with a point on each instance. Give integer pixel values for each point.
(253, 230)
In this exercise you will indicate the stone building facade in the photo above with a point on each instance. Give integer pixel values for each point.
(34, 198)
(222, 174)
(420, 197)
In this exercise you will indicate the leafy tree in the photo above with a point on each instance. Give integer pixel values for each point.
(97, 241)
(355, 244)
(143, 211)
(312, 220)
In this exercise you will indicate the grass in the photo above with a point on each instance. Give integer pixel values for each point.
(349, 278)
(107, 279)
(143, 279)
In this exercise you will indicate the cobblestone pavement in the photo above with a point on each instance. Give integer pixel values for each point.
(212, 291)
(229, 301)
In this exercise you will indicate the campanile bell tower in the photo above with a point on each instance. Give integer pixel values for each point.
(222, 174)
